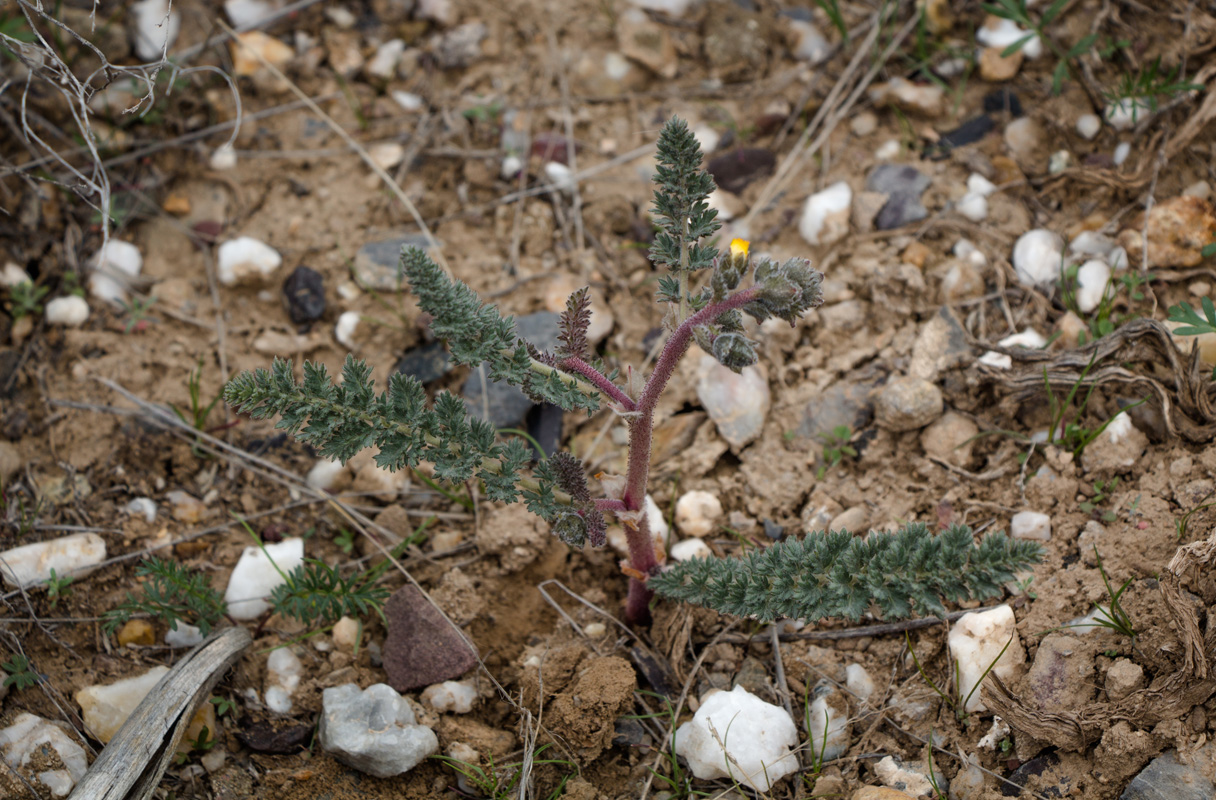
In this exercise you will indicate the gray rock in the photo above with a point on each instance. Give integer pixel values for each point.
(950, 438)
(377, 264)
(460, 46)
(842, 403)
(902, 208)
(897, 179)
(737, 403)
(304, 295)
(1062, 675)
(907, 404)
(941, 345)
(508, 405)
(427, 363)
(373, 730)
(903, 186)
(1164, 778)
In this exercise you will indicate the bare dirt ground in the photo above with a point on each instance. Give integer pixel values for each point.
(545, 82)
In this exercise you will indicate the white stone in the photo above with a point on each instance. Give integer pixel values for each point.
(707, 138)
(727, 206)
(1000, 32)
(1127, 112)
(105, 707)
(978, 184)
(1030, 525)
(1029, 339)
(154, 29)
(407, 100)
(511, 167)
(859, 682)
(688, 549)
(326, 475)
(13, 275)
(738, 736)
(31, 564)
(1092, 279)
(344, 329)
(737, 403)
(255, 576)
(440, 11)
(70, 311)
(697, 513)
(341, 16)
(386, 155)
(246, 259)
(1122, 151)
(1023, 136)
(560, 176)
(373, 730)
(383, 64)
(1091, 243)
(1088, 126)
(1200, 189)
(26, 744)
(825, 216)
(922, 98)
(966, 249)
(1119, 429)
(888, 150)
(283, 672)
(907, 780)
(1038, 256)
(656, 520)
(809, 44)
(247, 13)
(672, 8)
(113, 266)
(455, 696)
(1094, 620)
(142, 507)
(976, 641)
(184, 636)
(346, 633)
(827, 730)
(973, 206)
(864, 123)
(992, 739)
(224, 158)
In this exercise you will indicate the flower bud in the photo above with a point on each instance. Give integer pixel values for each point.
(734, 351)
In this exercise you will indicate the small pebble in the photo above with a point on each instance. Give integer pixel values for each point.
(136, 631)
(888, 150)
(1122, 151)
(697, 513)
(407, 100)
(13, 275)
(1089, 125)
(245, 260)
(825, 216)
(346, 633)
(155, 25)
(455, 696)
(386, 155)
(383, 64)
(1000, 32)
(283, 673)
(1093, 278)
(184, 636)
(1060, 161)
(304, 295)
(31, 564)
(907, 404)
(1029, 339)
(1127, 112)
(737, 403)
(864, 123)
(224, 158)
(1030, 525)
(973, 206)
(143, 507)
(70, 311)
(113, 266)
(1037, 257)
(344, 329)
(686, 549)
(255, 577)
(595, 630)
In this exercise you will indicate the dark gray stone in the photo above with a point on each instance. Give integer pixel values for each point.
(774, 530)
(508, 405)
(304, 295)
(897, 179)
(902, 208)
(1166, 779)
(427, 363)
(377, 264)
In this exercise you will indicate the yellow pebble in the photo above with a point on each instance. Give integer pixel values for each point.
(136, 631)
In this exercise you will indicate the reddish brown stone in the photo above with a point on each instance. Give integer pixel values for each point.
(422, 647)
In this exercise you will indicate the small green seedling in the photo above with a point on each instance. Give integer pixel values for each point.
(1102, 492)
(835, 447)
(21, 674)
(1144, 89)
(171, 593)
(198, 412)
(345, 540)
(1180, 524)
(223, 706)
(25, 299)
(57, 588)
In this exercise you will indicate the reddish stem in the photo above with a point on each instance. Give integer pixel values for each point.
(641, 430)
(599, 380)
(608, 504)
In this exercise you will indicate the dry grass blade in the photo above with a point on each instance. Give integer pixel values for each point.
(131, 765)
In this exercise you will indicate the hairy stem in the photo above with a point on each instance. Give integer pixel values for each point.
(642, 558)
(569, 380)
(599, 380)
(641, 427)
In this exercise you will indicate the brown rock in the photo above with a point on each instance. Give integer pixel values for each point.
(422, 647)
(136, 631)
(585, 715)
(916, 254)
(950, 439)
(646, 42)
(996, 68)
(961, 282)
(1178, 230)
(879, 793)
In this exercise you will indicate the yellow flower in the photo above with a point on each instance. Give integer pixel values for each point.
(738, 248)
